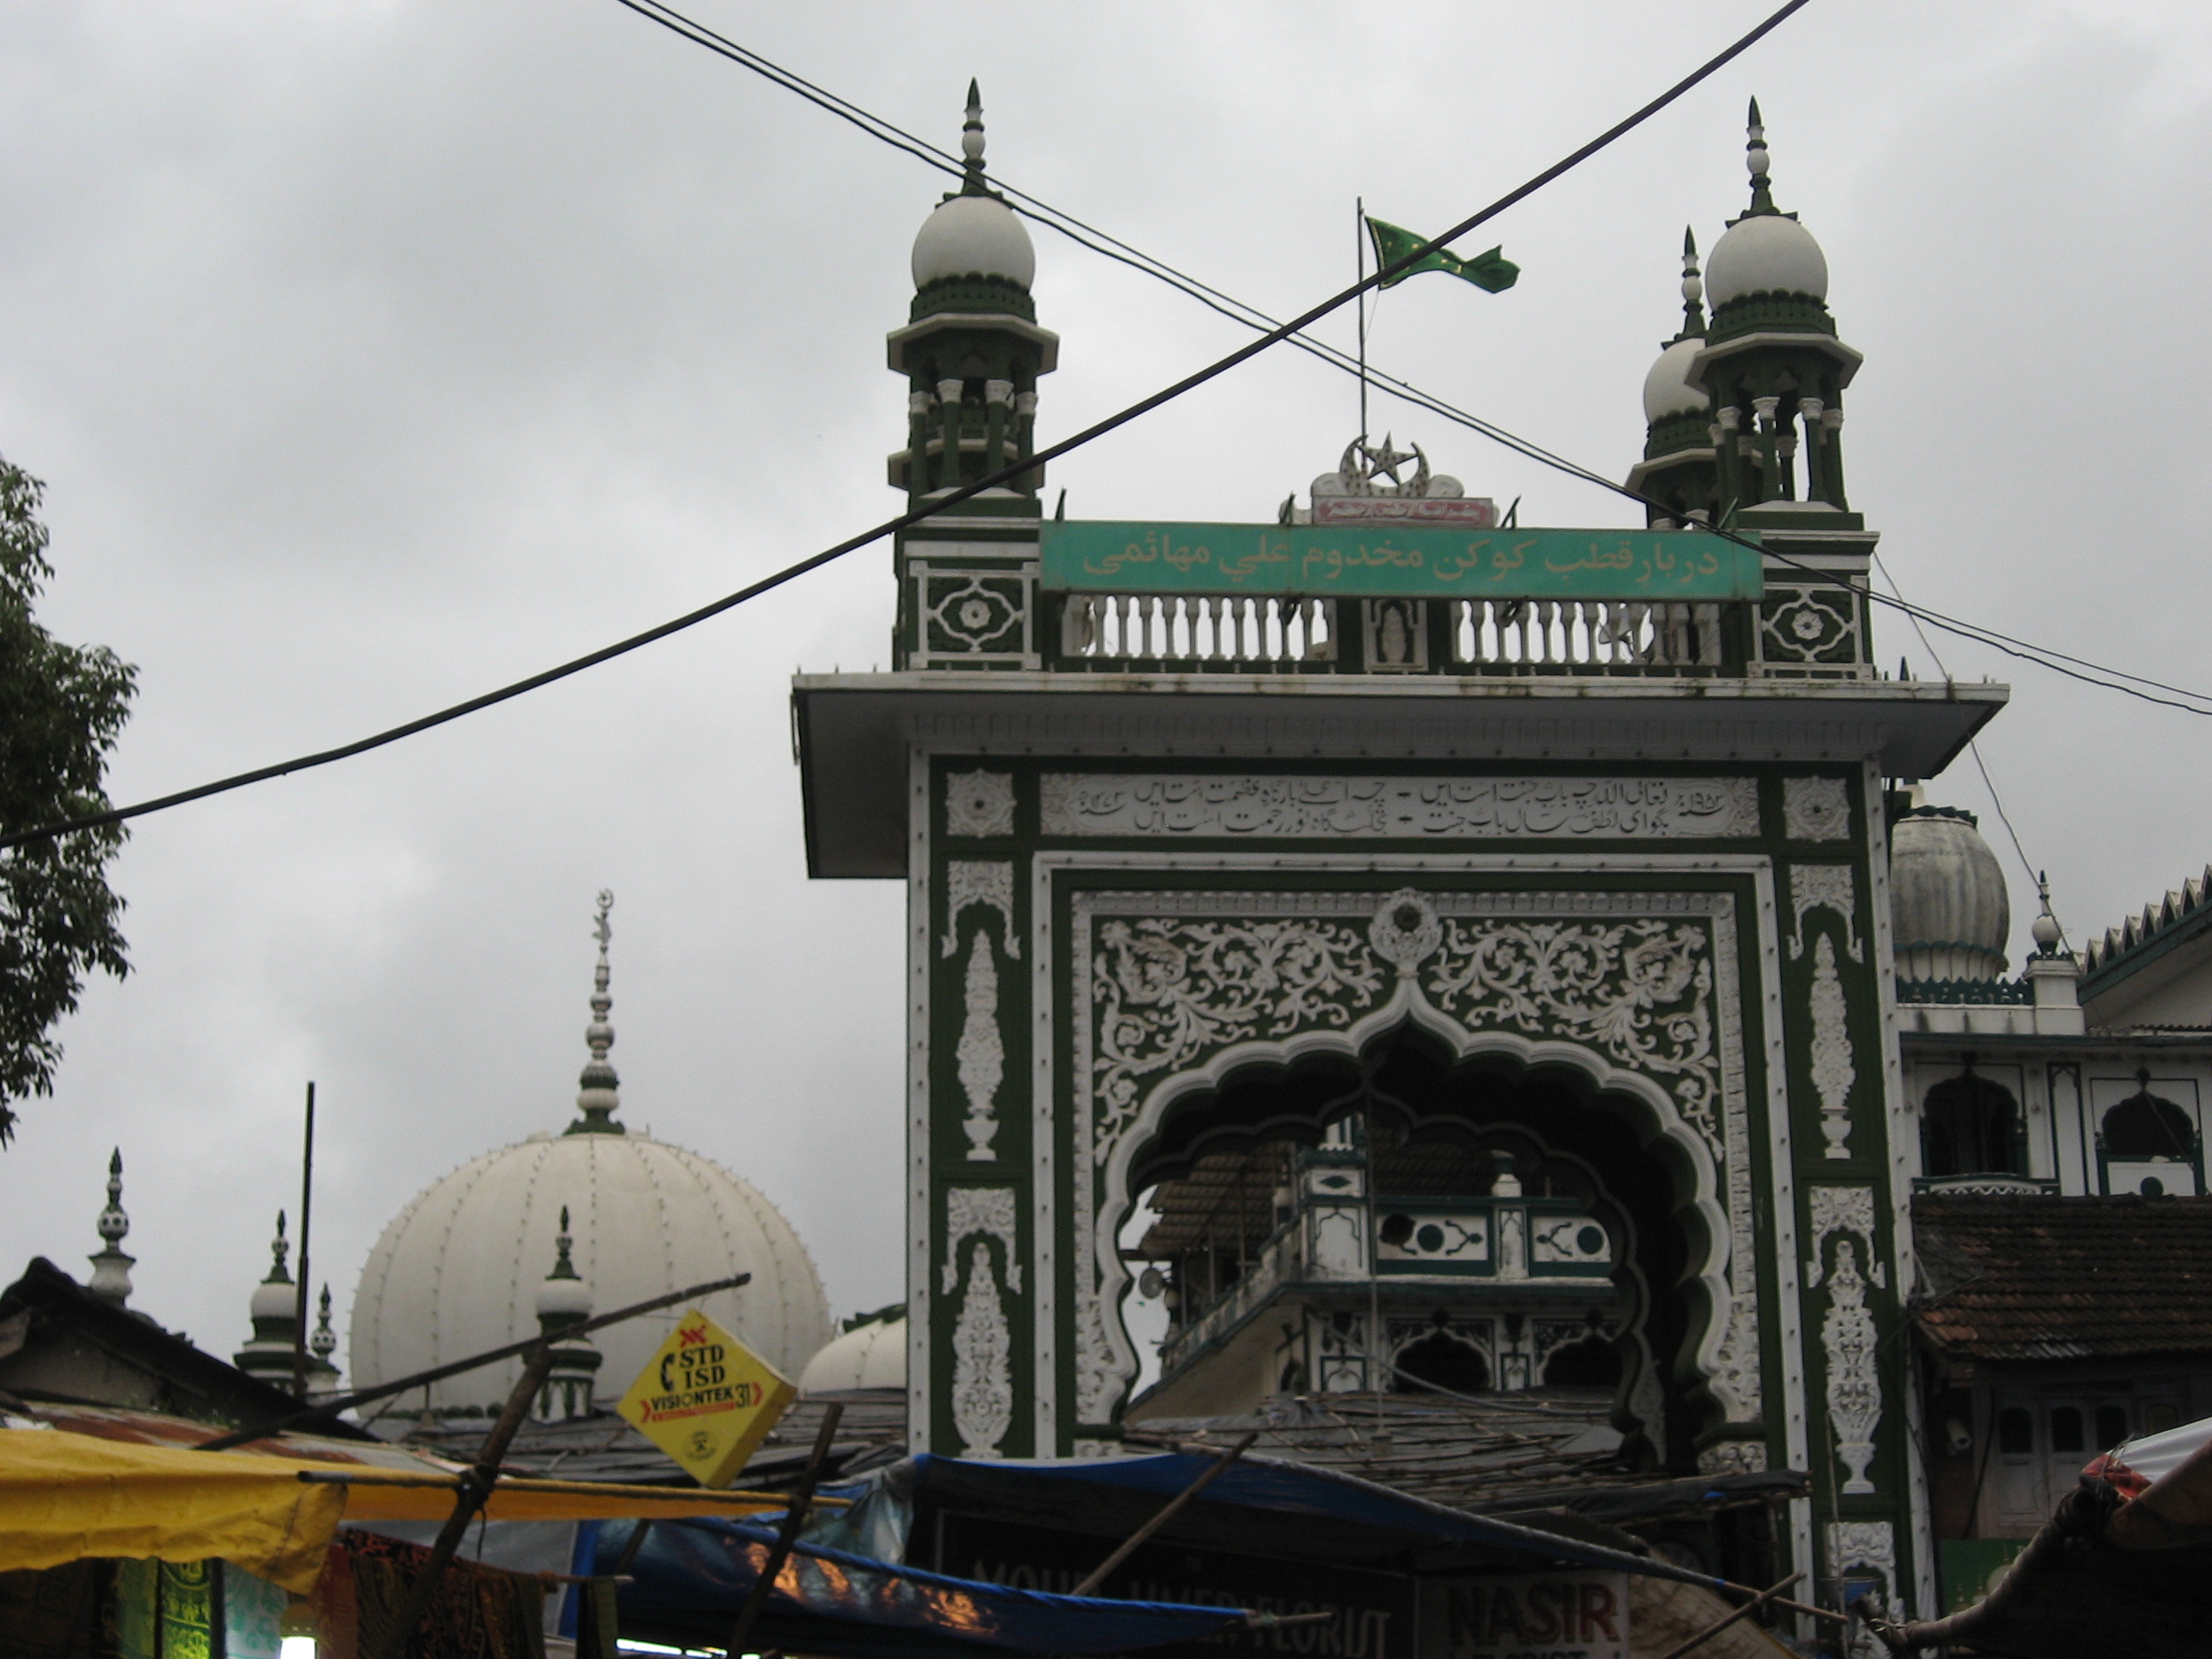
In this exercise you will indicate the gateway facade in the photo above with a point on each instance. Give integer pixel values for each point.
(1582, 889)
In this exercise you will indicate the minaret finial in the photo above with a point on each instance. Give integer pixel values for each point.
(971, 145)
(110, 1267)
(597, 1097)
(1756, 160)
(1693, 288)
(564, 1301)
(324, 1341)
(278, 1249)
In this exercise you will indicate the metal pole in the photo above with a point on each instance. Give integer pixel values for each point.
(1714, 1629)
(787, 1535)
(476, 1487)
(1360, 257)
(438, 1373)
(299, 1299)
(1090, 1585)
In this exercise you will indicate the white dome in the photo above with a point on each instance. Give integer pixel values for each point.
(279, 1300)
(1949, 911)
(1666, 389)
(974, 236)
(870, 1356)
(1765, 253)
(461, 1269)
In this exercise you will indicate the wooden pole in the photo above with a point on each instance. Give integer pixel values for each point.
(787, 1535)
(299, 1297)
(476, 1487)
(1748, 1608)
(488, 1357)
(1175, 1504)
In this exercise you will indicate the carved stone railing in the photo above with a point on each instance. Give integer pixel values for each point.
(982, 605)
(1126, 633)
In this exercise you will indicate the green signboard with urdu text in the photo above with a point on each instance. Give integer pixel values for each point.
(1099, 556)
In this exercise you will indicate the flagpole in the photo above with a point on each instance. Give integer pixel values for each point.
(1360, 257)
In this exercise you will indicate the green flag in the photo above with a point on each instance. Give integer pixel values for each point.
(1493, 272)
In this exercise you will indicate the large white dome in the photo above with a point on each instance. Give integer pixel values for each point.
(1765, 253)
(1666, 389)
(460, 1270)
(974, 236)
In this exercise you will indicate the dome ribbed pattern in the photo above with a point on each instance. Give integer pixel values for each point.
(870, 1356)
(461, 1269)
(1950, 910)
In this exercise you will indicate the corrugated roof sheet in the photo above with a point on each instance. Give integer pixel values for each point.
(2014, 1277)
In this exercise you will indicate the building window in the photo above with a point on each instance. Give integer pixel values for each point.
(2112, 1425)
(1442, 1362)
(1591, 1363)
(2144, 1126)
(2066, 1433)
(2015, 1431)
(1971, 1125)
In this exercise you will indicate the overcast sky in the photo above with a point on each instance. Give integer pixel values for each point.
(375, 354)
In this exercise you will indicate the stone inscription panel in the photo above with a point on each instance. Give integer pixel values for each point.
(1183, 806)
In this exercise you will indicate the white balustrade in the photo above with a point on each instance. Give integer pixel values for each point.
(1260, 631)
(1568, 634)
(1267, 634)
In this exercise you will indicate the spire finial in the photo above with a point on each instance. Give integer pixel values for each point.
(110, 1267)
(278, 1249)
(1756, 159)
(324, 1341)
(563, 1267)
(1693, 288)
(2045, 929)
(971, 145)
(596, 1096)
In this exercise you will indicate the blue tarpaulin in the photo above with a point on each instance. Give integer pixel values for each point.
(1257, 1505)
(692, 1577)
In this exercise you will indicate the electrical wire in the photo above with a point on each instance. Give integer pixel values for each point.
(1101, 242)
(939, 503)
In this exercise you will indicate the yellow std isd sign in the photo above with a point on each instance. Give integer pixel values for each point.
(707, 1399)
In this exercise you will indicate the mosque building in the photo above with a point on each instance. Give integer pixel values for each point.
(1528, 973)
(1531, 969)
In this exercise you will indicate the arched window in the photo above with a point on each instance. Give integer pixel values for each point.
(1592, 1362)
(1442, 1362)
(2144, 1126)
(1971, 1125)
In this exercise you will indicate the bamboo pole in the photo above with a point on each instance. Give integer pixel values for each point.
(787, 1535)
(1175, 1504)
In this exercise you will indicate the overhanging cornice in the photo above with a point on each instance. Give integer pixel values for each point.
(853, 731)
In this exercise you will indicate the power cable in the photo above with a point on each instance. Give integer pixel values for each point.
(938, 504)
(1239, 311)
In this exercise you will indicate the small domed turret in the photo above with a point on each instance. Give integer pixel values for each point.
(870, 1354)
(1950, 914)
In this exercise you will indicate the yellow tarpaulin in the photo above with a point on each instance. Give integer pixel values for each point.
(67, 1497)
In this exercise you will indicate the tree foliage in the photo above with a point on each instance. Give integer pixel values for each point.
(61, 708)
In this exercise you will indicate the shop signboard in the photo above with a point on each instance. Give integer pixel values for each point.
(1374, 1613)
(1537, 1615)
(707, 1399)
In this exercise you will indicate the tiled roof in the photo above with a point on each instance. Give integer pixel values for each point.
(2181, 902)
(2011, 1279)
